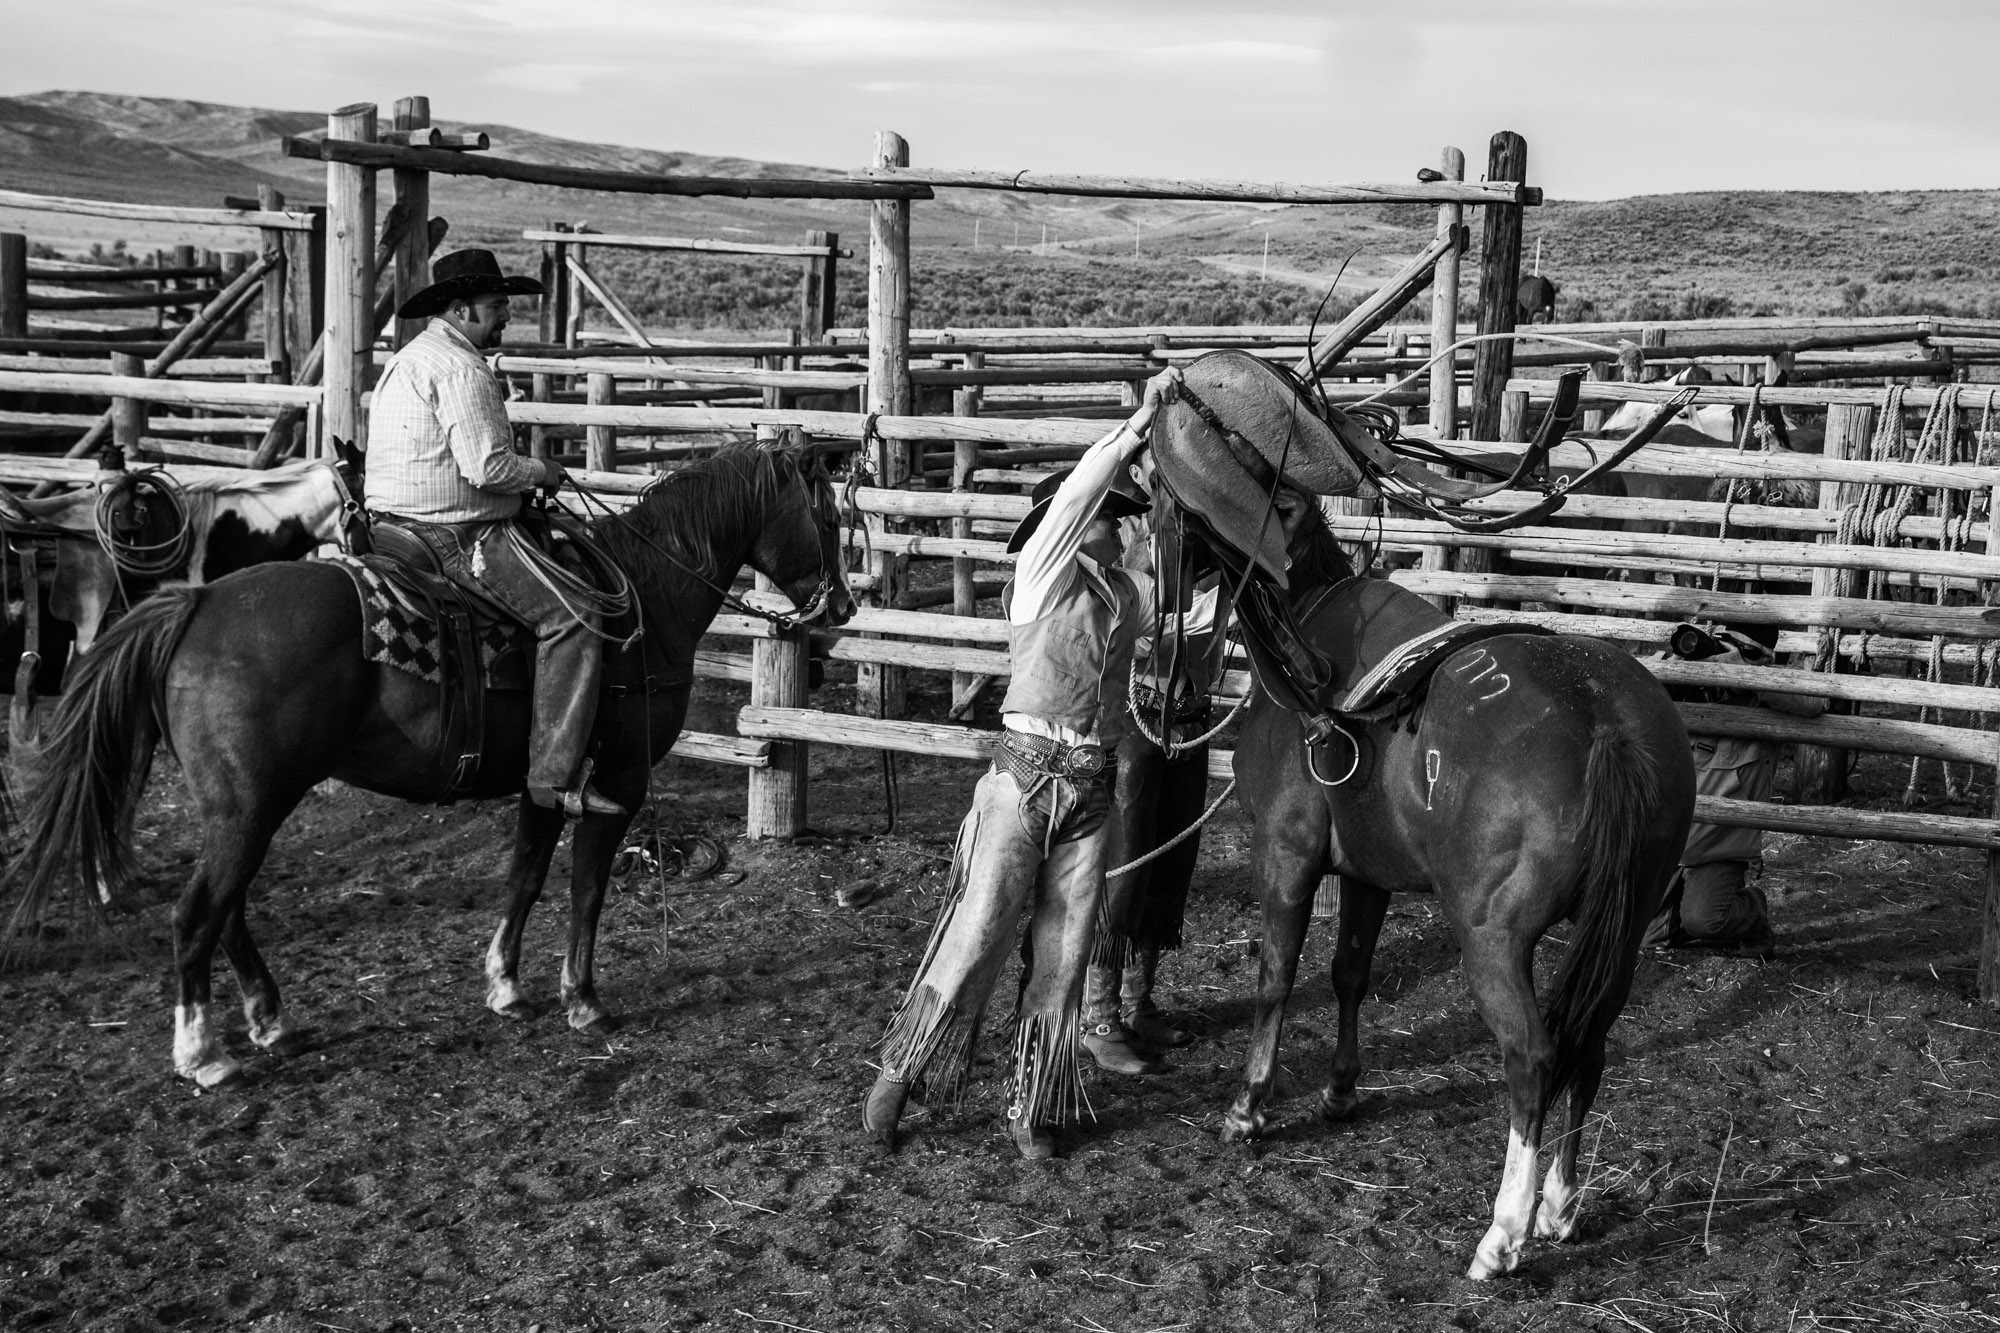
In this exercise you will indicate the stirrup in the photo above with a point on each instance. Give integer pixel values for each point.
(576, 802)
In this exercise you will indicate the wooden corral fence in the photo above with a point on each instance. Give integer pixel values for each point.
(1898, 554)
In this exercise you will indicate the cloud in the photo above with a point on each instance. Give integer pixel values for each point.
(549, 78)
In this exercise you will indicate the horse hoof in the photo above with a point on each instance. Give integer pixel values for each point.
(521, 1011)
(1338, 1106)
(288, 1044)
(600, 1025)
(1495, 1257)
(1242, 1127)
(216, 1072)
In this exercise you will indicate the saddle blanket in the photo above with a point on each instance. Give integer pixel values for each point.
(398, 631)
(1393, 641)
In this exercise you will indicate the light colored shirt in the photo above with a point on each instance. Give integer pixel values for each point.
(1048, 563)
(439, 445)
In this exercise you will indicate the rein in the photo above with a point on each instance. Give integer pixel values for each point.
(822, 589)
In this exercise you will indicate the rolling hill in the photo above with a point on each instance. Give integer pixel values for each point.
(1105, 261)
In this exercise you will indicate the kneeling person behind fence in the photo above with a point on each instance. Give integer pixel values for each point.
(441, 464)
(1714, 901)
(1035, 835)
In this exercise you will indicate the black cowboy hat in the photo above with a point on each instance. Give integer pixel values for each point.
(461, 275)
(1123, 500)
(1220, 445)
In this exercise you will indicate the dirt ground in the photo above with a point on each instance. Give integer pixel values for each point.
(1804, 1144)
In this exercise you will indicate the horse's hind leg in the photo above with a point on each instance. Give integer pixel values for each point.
(270, 1030)
(1362, 907)
(1497, 965)
(1562, 1196)
(1285, 877)
(536, 833)
(230, 856)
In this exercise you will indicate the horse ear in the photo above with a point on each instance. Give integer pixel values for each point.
(345, 451)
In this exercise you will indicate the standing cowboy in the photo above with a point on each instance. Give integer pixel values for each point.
(441, 463)
(1035, 835)
(1161, 788)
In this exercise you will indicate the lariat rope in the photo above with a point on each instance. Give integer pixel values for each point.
(1174, 749)
(1178, 838)
(145, 559)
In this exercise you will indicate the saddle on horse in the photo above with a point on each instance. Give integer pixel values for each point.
(419, 620)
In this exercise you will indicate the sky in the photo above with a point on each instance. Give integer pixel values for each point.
(1615, 97)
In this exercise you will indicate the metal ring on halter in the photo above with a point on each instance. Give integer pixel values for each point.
(1312, 760)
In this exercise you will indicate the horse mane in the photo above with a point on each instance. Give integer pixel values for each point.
(1316, 558)
(695, 512)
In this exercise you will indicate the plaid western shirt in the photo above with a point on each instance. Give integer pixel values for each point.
(439, 446)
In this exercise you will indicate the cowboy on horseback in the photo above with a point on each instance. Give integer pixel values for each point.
(442, 465)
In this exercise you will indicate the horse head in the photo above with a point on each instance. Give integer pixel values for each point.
(799, 547)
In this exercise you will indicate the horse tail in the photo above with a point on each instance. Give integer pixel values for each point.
(1623, 782)
(89, 771)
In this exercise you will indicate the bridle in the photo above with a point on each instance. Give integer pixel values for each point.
(819, 502)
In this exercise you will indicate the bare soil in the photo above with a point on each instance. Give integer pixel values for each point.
(1804, 1144)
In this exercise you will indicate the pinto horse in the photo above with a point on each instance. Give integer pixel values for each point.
(1542, 777)
(258, 684)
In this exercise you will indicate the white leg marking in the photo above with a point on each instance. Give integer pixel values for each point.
(503, 992)
(197, 1053)
(1562, 1202)
(1513, 1209)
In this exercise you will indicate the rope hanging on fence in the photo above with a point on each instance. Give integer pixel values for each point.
(1755, 428)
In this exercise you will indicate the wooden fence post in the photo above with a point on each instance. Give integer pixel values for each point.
(541, 438)
(601, 442)
(880, 690)
(555, 286)
(1499, 281)
(1819, 772)
(350, 273)
(1444, 309)
(818, 284)
(413, 192)
(13, 285)
(271, 200)
(128, 415)
(1989, 933)
(777, 805)
(964, 571)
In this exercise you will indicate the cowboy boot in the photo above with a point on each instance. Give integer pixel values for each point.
(1035, 1143)
(1141, 1017)
(1104, 1036)
(883, 1109)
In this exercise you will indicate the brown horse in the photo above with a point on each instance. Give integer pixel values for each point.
(258, 684)
(1542, 777)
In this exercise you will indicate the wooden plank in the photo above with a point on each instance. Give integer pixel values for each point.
(193, 217)
(722, 749)
(684, 243)
(441, 162)
(1248, 192)
(160, 390)
(1499, 279)
(1974, 622)
(1443, 387)
(1842, 822)
(413, 197)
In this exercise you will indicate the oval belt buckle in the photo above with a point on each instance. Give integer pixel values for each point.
(1084, 761)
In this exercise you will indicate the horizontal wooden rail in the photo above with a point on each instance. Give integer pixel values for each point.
(195, 217)
(954, 742)
(100, 273)
(1247, 192)
(1971, 622)
(1669, 460)
(1702, 550)
(161, 391)
(442, 162)
(208, 367)
(124, 300)
(617, 242)
(1915, 396)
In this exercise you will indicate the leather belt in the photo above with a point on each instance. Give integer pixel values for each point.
(1032, 759)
